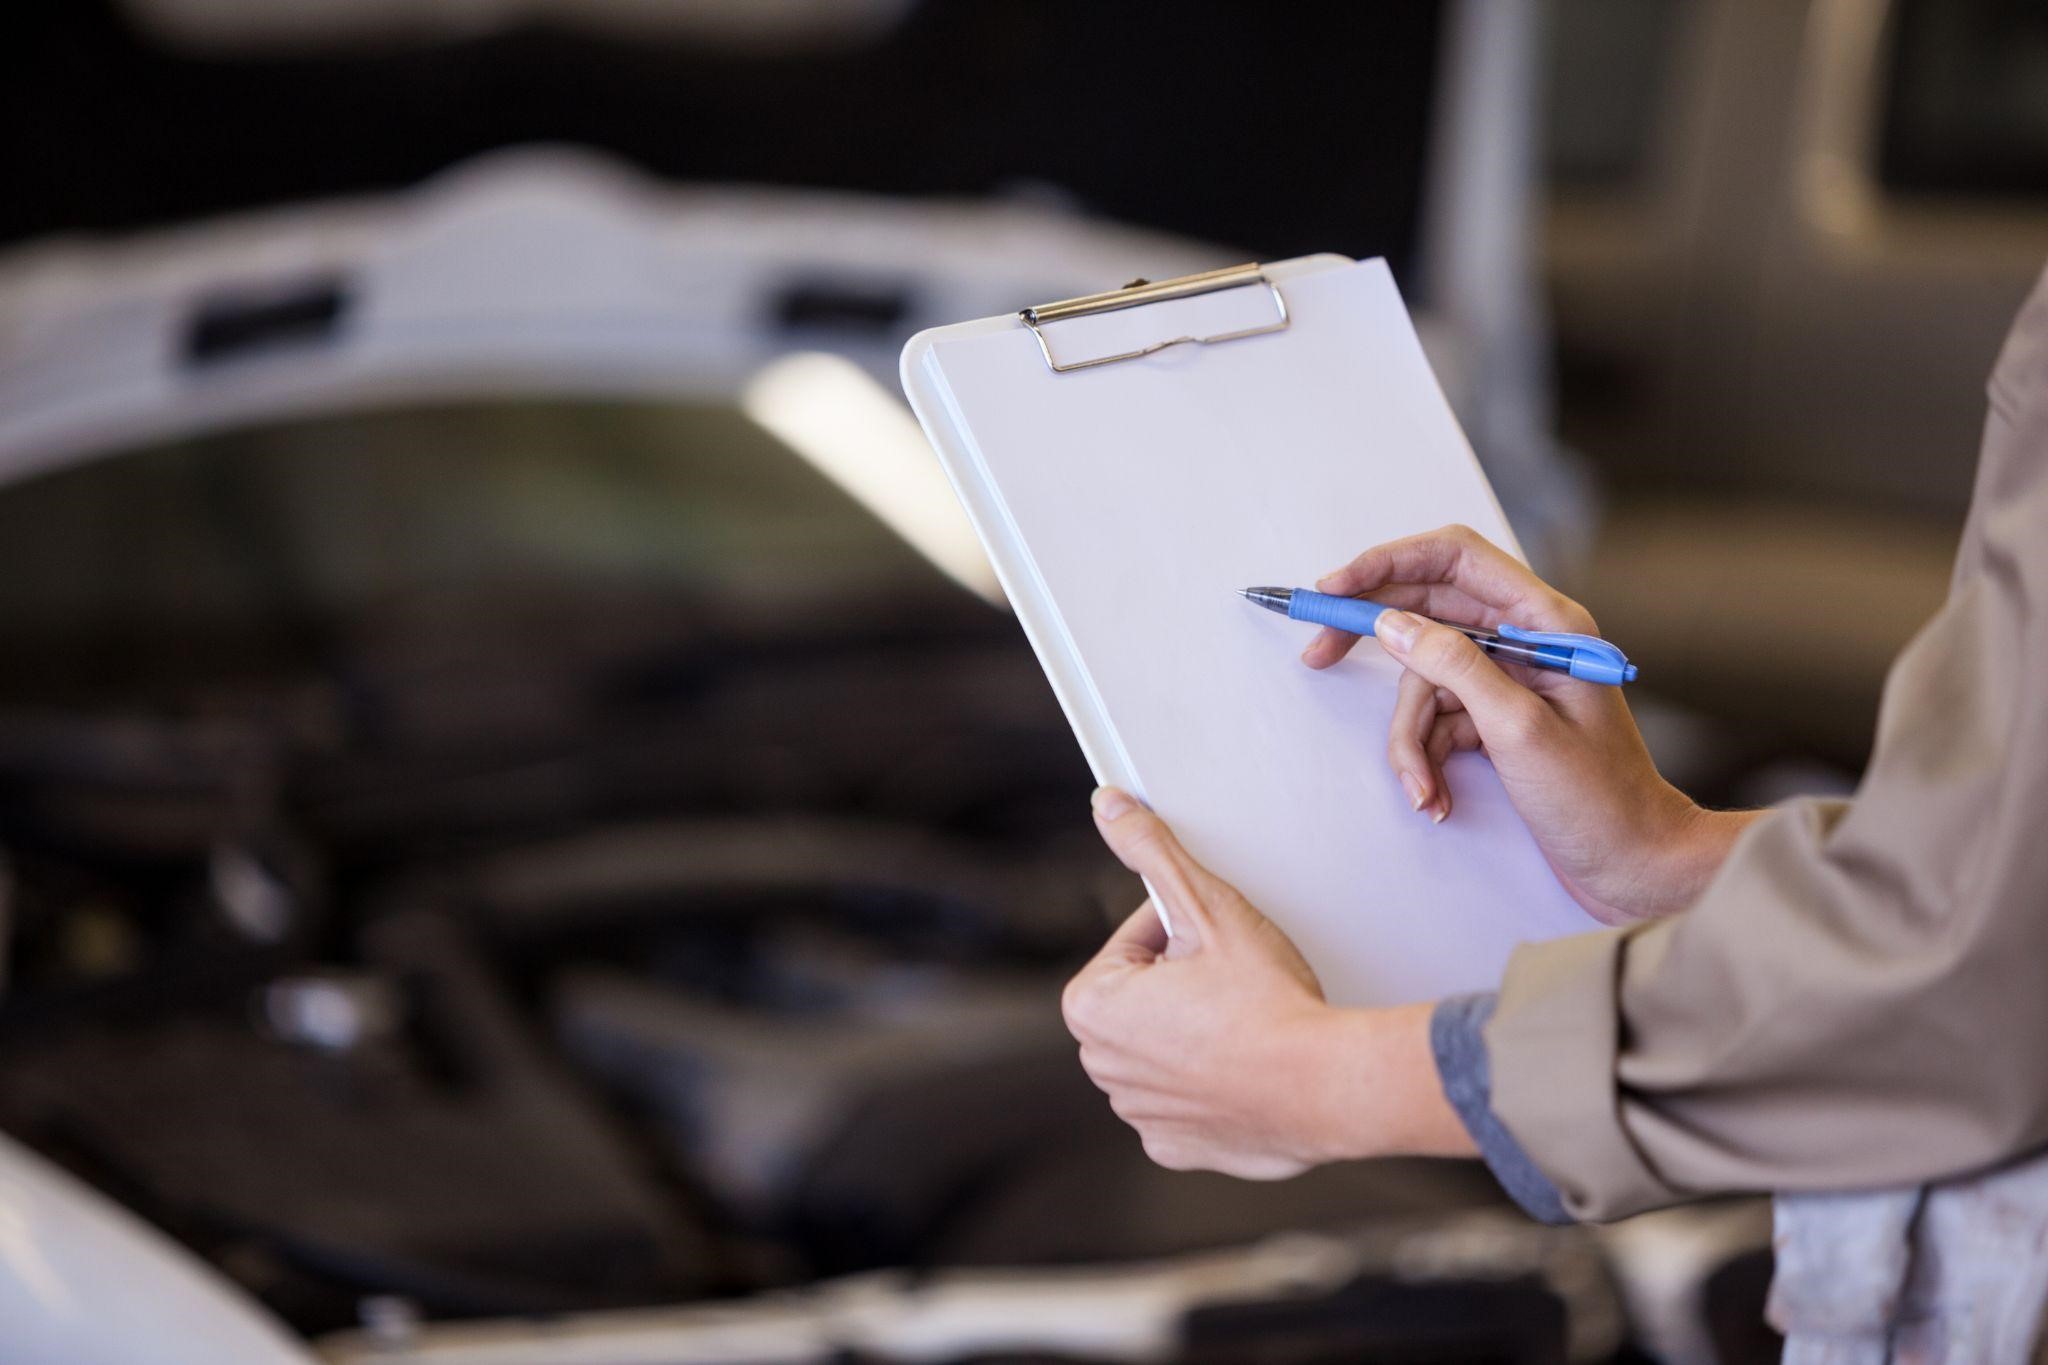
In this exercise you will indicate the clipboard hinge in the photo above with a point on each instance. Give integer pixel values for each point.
(1140, 292)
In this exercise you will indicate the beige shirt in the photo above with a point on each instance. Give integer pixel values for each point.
(1860, 998)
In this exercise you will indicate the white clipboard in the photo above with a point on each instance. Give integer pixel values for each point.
(1132, 459)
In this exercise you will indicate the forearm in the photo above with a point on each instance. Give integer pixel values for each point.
(1376, 1090)
(1381, 1081)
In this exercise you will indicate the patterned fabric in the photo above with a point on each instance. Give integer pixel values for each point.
(1947, 1274)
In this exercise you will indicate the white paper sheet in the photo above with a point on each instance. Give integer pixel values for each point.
(1126, 505)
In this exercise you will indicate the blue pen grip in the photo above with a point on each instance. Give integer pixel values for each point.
(1583, 656)
(1353, 614)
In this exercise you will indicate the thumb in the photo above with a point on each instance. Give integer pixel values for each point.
(1504, 712)
(1140, 939)
(1142, 842)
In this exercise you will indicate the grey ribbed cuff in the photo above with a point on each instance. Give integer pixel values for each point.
(1457, 1038)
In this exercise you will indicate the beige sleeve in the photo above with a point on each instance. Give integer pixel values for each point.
(1859, 996)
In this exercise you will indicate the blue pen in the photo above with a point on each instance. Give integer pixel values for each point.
(1587, 657)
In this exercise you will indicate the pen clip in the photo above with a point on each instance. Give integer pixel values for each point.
(1593, 659)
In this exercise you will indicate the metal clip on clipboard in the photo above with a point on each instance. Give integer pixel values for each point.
(1140, 292)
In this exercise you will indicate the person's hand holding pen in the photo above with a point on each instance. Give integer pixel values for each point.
(1217, 1044)
(1626, 843)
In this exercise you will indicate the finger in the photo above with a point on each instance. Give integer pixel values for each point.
(1327, 646)
(1445, 601)
(1142, 842)
(1187, 1147)
(1109, 1070)
(1140, 939)
(1140, 1106)
(1451, 554)
(1451, 734)
(1168, 1150)
(1137, 942)
(1505, 714)
(1414, 716)
(1259, 1166)
(1460, 556)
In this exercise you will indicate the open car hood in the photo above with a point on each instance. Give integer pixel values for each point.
(538, 271)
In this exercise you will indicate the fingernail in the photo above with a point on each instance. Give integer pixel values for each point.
(1436, 817)
(1414, 790)
(1396, 628)
(1326, 582)
(1110, 804)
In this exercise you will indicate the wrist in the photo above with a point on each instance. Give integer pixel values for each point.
(1375, 1089)
(1699, 842)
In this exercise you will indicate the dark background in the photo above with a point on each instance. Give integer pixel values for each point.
(1231, 122)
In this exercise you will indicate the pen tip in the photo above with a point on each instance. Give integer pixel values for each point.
(1245, 593)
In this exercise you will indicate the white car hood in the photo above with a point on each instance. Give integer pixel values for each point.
(540, 270)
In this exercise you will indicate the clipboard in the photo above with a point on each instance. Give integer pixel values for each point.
(1132, 458)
